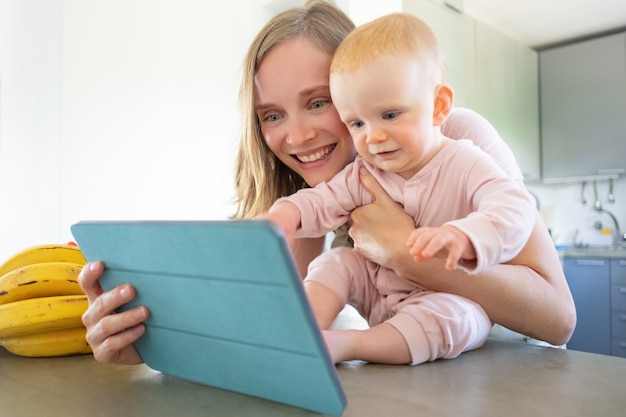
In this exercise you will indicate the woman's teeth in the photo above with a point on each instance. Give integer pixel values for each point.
(316, 156)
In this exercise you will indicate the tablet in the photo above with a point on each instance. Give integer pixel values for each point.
(227, 306)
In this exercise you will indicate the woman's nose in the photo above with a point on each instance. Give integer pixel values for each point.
(299, 132)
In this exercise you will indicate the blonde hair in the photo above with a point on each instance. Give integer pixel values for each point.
(392, 34)
(260, 177)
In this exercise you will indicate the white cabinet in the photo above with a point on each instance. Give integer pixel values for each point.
(505, 90)
(491, 74)
(454, 31)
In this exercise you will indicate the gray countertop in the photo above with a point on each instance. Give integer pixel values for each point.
(594, 252)
(500, 379)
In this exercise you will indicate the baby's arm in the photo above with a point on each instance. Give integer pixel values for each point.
(286, 216)
(442, 242)
(493, 214)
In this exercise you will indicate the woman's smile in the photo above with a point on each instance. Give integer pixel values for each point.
(316, 155)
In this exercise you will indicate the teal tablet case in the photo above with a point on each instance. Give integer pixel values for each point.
(227, 307)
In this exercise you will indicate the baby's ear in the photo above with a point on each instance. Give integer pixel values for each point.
(444, 97)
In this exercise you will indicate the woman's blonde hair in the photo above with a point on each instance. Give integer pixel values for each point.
(260, 177)
(392, 34)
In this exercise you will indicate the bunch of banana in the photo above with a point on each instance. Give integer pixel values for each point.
(43, 253)
(63, 342)
(40, 280)
(41, 303)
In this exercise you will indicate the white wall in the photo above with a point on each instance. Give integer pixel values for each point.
(30, 123)
(126, 109)
(563, 212)
(150, 106)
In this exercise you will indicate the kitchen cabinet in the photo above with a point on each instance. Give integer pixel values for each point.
(618, 307)
(588, 279)
(583, 108)
(506, 91)
(598, 286)
(491, 74)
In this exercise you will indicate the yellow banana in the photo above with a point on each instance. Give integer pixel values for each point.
(43, 253)
(40, 280)
(42, 314)
(63, 342)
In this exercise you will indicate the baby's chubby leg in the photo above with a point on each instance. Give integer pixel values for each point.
(378, 344)
(340, 276)
(382, 343)
(438, 325)
(325, 303)
(330, 283)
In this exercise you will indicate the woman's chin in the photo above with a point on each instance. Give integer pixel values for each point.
(319, 171)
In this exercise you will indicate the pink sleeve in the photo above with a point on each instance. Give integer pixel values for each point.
(464, 123)
(328, 205)
(504, 213)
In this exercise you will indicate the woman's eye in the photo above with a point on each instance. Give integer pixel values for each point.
(390, 115)
(318, 104)
(271, 118)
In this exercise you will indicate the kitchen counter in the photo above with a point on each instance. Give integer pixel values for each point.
(501, 378)
(594, 252)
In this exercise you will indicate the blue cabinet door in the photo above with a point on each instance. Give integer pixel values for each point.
(589, 282)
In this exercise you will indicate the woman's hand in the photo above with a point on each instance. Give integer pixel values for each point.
(380, 229)
(111, 335)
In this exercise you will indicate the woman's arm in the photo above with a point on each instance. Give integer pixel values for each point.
(528, 295)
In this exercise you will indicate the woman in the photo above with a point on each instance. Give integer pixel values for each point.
(292, 137)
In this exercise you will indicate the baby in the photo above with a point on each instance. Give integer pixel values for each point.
(387, 84)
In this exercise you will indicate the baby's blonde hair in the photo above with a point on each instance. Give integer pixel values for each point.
(392, 34)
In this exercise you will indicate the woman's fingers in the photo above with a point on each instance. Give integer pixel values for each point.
(380, 229)
(88, 280)
(111, 334)
(112, 337)
(369, 182)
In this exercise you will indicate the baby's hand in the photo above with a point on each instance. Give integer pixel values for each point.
(284, 215)
(441, 242)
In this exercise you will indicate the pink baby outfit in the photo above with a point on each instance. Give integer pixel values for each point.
(434, 324)
(462, 186)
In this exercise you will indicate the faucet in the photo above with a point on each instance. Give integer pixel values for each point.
(618, 237)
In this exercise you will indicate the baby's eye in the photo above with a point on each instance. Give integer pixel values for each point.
(356, 125)
(390, 115)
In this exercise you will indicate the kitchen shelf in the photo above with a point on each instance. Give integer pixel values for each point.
(580, 178)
